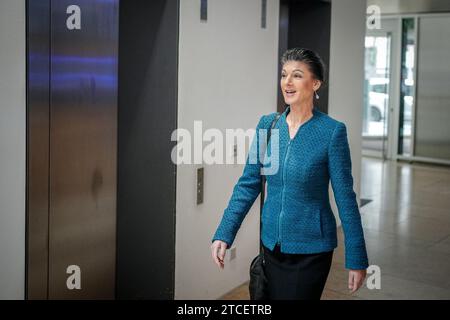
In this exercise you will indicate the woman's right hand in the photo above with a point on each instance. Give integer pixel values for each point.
(218, 249)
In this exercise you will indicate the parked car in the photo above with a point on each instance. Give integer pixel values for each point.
(379, 98)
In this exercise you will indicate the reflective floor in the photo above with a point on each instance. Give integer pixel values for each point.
(407, 231)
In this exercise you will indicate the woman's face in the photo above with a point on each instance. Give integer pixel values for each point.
(297, 83)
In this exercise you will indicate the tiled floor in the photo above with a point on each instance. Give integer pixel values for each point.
(407, 232)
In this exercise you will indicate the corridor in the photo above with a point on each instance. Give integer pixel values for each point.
(407, 232)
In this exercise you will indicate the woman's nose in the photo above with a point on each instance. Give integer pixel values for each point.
(288, 79)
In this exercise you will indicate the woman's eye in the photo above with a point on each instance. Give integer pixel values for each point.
(298, 76)
(283, 75)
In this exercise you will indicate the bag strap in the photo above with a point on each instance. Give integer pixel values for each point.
(263, 187)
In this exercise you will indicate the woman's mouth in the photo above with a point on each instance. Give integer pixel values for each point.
(290, 93)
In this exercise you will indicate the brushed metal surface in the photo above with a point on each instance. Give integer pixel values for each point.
(38, 121)
(83, 147)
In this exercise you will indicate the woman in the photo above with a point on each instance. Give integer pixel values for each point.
(298, 225)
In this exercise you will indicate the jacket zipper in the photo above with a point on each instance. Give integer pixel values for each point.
(284, 180)
(282, 194)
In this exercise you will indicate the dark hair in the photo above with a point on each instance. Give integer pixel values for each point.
(309, 57)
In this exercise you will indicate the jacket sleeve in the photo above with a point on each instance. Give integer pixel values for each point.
(244, 194)
(340, 169)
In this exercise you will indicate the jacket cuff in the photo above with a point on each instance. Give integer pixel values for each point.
(229, 241)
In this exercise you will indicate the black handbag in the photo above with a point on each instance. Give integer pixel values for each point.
(258, 280)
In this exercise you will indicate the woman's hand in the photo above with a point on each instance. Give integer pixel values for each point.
(356, 279)
(218, 249)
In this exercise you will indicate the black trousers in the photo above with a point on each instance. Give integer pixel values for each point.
(296, 276)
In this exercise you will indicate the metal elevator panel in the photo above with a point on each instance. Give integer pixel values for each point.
(83, 147)
(73, 144)
(38, 121)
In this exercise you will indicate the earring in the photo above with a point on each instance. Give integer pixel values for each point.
(317, 96)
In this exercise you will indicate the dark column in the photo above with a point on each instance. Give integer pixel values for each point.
(148, 56)
(306, 24)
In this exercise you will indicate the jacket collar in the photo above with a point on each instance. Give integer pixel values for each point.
(312, 119)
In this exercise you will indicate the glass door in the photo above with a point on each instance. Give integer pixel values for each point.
(380, 91)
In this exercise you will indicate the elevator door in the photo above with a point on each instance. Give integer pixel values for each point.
(83, 139)
(82, 147)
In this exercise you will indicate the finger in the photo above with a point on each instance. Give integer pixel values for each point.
(223, 247)
(214, 254)
(356, 282)
(212, 251)
(213, 247)
(350, 280)
(360, 282)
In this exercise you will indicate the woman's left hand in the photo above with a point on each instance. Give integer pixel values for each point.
(356, 279)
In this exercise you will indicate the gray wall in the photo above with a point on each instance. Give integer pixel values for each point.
(432, 132)
(12, 149)
(227, 78)
(410, 6)
(346, 77)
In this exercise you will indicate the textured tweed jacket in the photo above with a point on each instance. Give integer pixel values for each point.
(297, 212)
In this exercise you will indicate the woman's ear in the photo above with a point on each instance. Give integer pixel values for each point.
(317, 84)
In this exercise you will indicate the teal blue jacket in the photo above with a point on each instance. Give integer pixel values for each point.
(297, 212)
